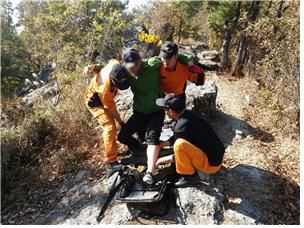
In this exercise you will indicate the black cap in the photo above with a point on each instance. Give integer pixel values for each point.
(168, 49)
(119, 76)
(171, 101)
(130, 57)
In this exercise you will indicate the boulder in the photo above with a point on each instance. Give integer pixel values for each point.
(130, 34)
(48, 90)
(124, 103)
(200, 205)
(202, 99)
(83, 203)
(188, 51)
(209, 55)
(199, 47)
(208, 64)
(45, 73)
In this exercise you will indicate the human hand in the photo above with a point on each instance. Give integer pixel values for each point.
(95, 101)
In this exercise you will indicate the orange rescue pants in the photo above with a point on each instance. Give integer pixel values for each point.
(109, 136)
(189, 158)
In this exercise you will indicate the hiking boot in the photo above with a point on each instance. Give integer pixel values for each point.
(188, 180)
(114, 166)
(148, 178)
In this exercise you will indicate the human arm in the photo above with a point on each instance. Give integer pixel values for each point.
(164, 144)
(107, 95)
(165, 160)
(196, 75)
(117, 117)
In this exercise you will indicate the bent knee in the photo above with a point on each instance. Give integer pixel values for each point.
(179, 145)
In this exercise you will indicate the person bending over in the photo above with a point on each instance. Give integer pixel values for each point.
(99, 99)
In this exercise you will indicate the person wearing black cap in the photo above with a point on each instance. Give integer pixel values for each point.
(147, 116)
(196, 146)
(99, 99)
(174, 74)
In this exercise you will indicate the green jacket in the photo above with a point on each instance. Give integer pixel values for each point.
(146, 85)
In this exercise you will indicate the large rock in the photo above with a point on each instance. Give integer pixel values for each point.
(199, 47)
(83, 202)
(124, 104)
(49, 90)
(208, 55)
(35, 81)
(202, 99)
(208, 64)
(188, 51)
(200, 205)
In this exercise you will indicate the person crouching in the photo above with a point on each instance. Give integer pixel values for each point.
(196, 146)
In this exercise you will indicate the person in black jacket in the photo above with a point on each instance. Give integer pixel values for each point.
(196, 146)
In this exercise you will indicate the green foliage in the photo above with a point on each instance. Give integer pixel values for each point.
(64, 32)
(219, 12)
(15, 60)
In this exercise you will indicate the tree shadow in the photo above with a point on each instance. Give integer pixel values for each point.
(228, 127)
(256, 193)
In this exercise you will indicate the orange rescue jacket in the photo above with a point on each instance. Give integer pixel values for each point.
(175, 81)
(101, 84)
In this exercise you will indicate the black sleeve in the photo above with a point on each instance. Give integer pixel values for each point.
(175, 137)
(180, 131)
(172, 140)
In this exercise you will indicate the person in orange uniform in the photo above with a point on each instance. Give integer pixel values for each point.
(195, 144)
(99, 99)
(173, 74)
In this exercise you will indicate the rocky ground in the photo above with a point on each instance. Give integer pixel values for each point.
(247, 190)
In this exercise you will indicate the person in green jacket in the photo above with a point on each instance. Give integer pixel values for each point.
(144, 80)
(145, 85)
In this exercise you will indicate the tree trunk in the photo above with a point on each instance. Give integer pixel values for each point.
(240, 55)
(225, 46)
(242, 47)
(228, 30)
(180, 29)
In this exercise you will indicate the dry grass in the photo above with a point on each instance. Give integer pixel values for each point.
(49, 141)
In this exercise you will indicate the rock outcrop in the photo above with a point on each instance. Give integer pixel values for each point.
(204, 204)
(202, 99)
(208, 55)
(48, 90)
(207, 59)
(35, 81)
(208, 64)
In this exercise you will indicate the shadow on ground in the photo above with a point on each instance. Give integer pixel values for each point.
(259, 194)
(228, 127)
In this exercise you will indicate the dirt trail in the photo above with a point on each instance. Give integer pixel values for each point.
(257, 150)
